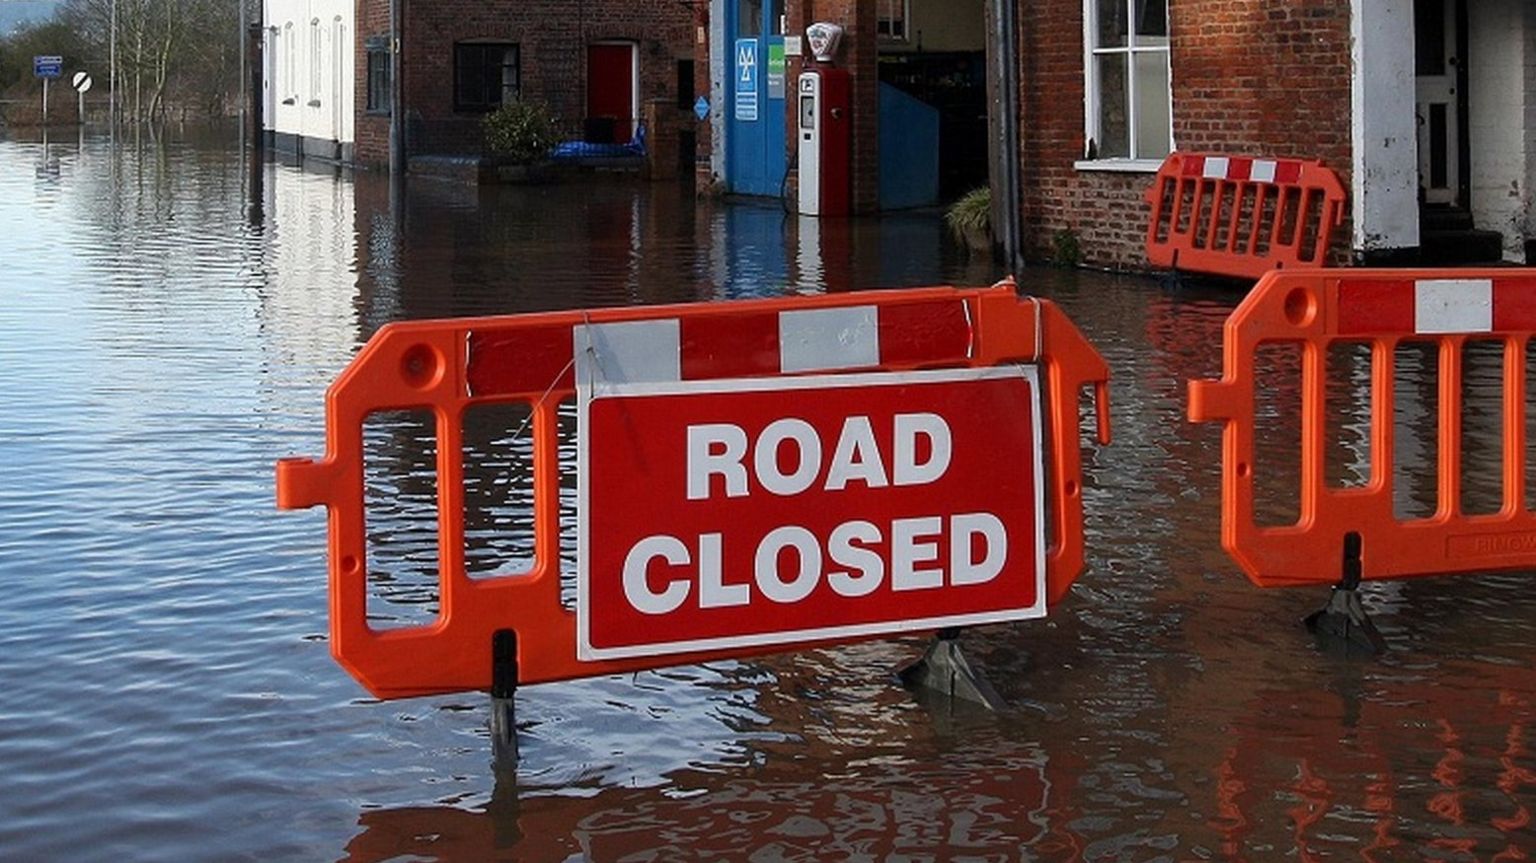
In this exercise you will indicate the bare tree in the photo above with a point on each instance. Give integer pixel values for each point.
(172, 55)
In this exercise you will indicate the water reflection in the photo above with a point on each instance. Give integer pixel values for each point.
(170, 693)
(861, 810)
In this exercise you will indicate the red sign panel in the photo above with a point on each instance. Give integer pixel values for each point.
(738, 513)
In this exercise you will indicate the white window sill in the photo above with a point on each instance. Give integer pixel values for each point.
(1122, 166)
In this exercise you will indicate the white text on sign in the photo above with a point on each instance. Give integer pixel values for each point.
(721, 450)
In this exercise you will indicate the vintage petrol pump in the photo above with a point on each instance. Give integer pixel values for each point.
(825, 128)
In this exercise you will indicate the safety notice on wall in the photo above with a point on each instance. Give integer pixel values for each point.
(775, 71)
(748, 512)
(746, 80)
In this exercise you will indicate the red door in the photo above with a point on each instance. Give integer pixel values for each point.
(611, 89)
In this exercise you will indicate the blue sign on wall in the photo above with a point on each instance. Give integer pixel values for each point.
(746, 79)
(47, 66)
(701, 108)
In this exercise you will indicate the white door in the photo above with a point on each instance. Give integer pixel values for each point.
(1435, 66)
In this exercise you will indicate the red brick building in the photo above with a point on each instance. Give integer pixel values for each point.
(595, 64)
(1248, 77)
(1425, 108)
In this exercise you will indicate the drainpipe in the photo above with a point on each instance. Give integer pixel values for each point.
(397, 162)
(1003, 122)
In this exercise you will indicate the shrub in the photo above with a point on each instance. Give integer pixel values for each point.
(971, 216)
(521, 132)
(1065, 249)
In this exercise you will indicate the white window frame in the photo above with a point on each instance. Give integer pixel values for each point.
(290, 88)
(905, 6)
(340, 49)
(1091, 90)
(316, 66)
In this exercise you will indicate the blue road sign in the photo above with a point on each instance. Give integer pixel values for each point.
(47, 66)
(701, 108)
(746, 79)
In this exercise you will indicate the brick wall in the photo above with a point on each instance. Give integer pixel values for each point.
(371, 131)
(1249, 77)
(552, 39)
(703, 129)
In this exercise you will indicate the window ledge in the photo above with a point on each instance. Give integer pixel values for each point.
(1122, 166)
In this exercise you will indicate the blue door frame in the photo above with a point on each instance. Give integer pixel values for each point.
(754, 106)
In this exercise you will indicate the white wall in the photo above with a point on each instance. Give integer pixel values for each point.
(1499, 66)
(1386, 172)
(719, 97)
(310, 72)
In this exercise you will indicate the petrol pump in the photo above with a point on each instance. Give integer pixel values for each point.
(825, 128)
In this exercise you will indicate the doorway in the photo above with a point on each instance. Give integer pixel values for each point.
(755, 162)
(1440, 102)
(612, 101)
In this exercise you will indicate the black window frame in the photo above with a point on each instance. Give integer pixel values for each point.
(377, 97)
(480, 75)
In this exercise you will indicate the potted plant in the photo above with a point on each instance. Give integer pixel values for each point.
(970, 218)
(518, 138)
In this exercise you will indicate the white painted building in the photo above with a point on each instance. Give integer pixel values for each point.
(308, 74)
(1444, 112)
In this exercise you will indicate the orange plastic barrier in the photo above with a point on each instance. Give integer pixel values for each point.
(450, 366)
(1382, 308)
(1241, 216)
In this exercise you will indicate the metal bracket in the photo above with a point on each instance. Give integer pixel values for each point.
(945, 670)
(1343, 620)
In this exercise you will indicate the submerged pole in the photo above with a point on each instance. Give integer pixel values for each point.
(504, 675)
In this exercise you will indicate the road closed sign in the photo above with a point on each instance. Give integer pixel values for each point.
(725, 514)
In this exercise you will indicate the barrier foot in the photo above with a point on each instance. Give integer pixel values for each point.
(945, 670)
(504, 701)
(1343, 620)
(1171, 279)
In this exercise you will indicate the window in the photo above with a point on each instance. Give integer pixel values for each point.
(290, 88)
(485, 75)
(378, 74)
(316, 70)
(1129, 113)
(891, 20)
(685, 92)
(338, 71)
(749, 19)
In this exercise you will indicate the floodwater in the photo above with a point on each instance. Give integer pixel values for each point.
(166, 689)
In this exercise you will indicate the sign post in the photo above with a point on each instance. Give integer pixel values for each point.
(82, 82)
(47, 67)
